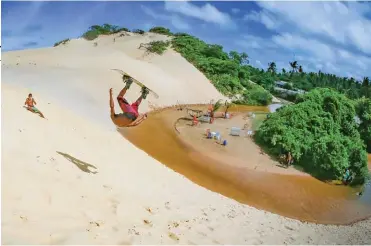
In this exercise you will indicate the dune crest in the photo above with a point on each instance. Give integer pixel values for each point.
(72, 179)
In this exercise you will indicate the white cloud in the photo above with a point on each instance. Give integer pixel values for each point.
(176, 21)
(311, 47)
(207, 12)
(264, 17)
(343, 23)
(259, 64)
(17, 19)
(179, 24)
(254, 42)
(235, 10)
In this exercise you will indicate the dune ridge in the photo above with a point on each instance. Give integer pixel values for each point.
(123, 196)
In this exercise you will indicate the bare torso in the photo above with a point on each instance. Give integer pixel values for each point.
(125, 122)
(30, 102)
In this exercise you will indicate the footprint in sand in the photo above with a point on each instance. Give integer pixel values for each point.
(173, 236)
(147, 222)
(114, 206)
(24, 218)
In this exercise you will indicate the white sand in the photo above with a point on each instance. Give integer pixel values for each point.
(46, 199)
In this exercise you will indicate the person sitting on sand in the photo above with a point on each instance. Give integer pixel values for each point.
(130, 115)
(30, 104)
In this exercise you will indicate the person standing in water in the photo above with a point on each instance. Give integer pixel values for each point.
(130, 115)
(30, 105)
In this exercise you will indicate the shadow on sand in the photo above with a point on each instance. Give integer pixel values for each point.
(83, 166)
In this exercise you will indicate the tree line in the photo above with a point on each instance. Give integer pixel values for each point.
(319, 129)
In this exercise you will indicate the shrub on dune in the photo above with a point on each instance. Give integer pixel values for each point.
(64, 41)
(321, 133)
(138, 31)
(157, 47)
(160, 30)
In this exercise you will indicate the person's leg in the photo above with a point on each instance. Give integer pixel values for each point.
(128, 82)
(35, 110)
(41, 114)
(144, 94)
(124, 104)
(137, 102)
(111, 103)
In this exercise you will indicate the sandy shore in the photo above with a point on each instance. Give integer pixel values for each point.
(72, 179)
(235, 153)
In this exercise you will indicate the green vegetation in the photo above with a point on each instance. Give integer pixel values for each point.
(255, 95)
(64, 41)
(139, 31)
(321, 133)
(308, 81)
(230, 73)
(363, 108)
(158, 47)
(160, 30)
(105, 29)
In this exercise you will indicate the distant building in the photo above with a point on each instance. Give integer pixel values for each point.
(279, 86)
(280, 83)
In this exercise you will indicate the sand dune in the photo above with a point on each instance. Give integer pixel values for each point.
(72, 179)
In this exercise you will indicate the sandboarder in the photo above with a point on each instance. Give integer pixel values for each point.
(130, 115)
(30, 105)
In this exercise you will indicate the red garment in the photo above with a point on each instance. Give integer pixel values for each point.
(127, 108)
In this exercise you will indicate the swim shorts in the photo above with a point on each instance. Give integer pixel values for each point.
(35, 109)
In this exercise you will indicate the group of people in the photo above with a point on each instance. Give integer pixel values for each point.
(130, 115)
(287, 159)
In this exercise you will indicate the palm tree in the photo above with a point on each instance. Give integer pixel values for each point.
(366, 86)
(217, 105)
(244, 58)
(227, 106)
(294, 66)
(272, 67)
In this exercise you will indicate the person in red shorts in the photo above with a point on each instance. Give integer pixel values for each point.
(130, 115)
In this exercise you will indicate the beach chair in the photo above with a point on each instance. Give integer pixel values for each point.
(235, 131)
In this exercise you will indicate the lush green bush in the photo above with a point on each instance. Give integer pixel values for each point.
(178, 34)
(64, 41)
(122, 29)
(255, 95)
(106, 29)
(160, 30)
(229, 72)
(321, 133)
(139, 31)
(363, 108)
(288, 86)
(91, 35)
(157, 47)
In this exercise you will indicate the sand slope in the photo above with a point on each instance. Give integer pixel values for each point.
(47, 198)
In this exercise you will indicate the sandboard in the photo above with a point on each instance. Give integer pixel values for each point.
(137, 82)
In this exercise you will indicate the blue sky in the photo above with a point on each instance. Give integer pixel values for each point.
(334, 37)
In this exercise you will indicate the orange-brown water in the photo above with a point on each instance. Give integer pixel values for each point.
(299, 197)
